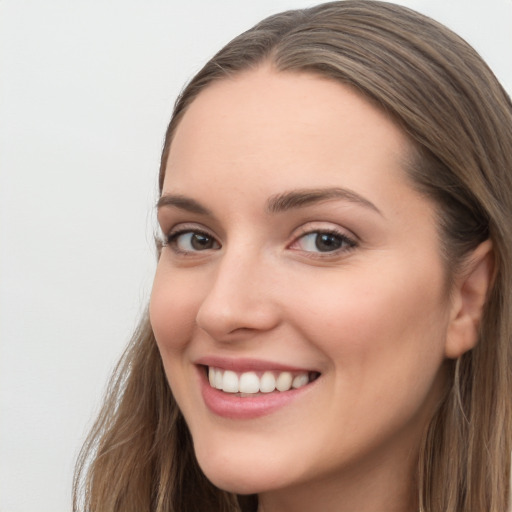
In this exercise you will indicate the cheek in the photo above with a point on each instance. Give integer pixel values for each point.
(384, 345)
(172, 313)
(379, 332)
(172, 310)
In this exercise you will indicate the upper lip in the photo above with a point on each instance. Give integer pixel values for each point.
(247, 364)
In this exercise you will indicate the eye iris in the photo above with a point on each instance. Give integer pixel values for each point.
(325, 242)
(200, 241)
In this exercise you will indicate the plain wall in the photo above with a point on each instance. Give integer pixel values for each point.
(86, 91)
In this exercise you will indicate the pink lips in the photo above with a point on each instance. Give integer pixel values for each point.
(246, 365)
(232, 406)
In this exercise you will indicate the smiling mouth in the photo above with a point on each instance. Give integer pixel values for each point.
(249, 384)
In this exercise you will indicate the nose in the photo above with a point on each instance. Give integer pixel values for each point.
(240, 299)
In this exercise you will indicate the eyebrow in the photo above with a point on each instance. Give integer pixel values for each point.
(279, 203)
(183, 203)
(305, 197)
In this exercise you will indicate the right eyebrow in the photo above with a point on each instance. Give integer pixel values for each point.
(183, 203)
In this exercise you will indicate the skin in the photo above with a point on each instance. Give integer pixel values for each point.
(372, 317)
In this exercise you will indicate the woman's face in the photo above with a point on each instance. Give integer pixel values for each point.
(298, 254)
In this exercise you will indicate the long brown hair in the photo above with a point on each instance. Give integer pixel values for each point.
(139, 455)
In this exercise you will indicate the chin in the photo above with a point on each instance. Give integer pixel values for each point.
(240, 476)
(237, 483)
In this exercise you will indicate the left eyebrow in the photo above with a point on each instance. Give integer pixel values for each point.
(305, 197)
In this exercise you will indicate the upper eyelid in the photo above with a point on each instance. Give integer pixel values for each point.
(177, 233)
(184, 227)
(325, 227)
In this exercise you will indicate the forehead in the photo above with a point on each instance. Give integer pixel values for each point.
(282, 126)
(266, 97)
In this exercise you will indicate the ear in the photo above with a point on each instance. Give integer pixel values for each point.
(469, 295)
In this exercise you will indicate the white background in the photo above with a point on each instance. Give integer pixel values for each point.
(86, 90)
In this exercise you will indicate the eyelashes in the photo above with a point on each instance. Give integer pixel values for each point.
(314, 242)
(187, 241)
(323, 241)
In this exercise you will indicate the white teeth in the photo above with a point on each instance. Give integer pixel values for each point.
(248, 383)
(284, 381)
(218, 378)
(230, 382)
(267, 382)
(300, 380)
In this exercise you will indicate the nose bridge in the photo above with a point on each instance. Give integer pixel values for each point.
(239, 295)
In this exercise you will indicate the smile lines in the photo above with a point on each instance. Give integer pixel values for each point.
(250, 383)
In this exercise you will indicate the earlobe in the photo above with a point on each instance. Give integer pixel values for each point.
(468, 300)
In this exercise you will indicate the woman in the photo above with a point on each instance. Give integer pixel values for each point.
(330, 322)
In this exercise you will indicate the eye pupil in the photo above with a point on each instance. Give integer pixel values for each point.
(327, 242)
(199, 241)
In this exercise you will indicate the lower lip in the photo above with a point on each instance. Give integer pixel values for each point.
(231, 406)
